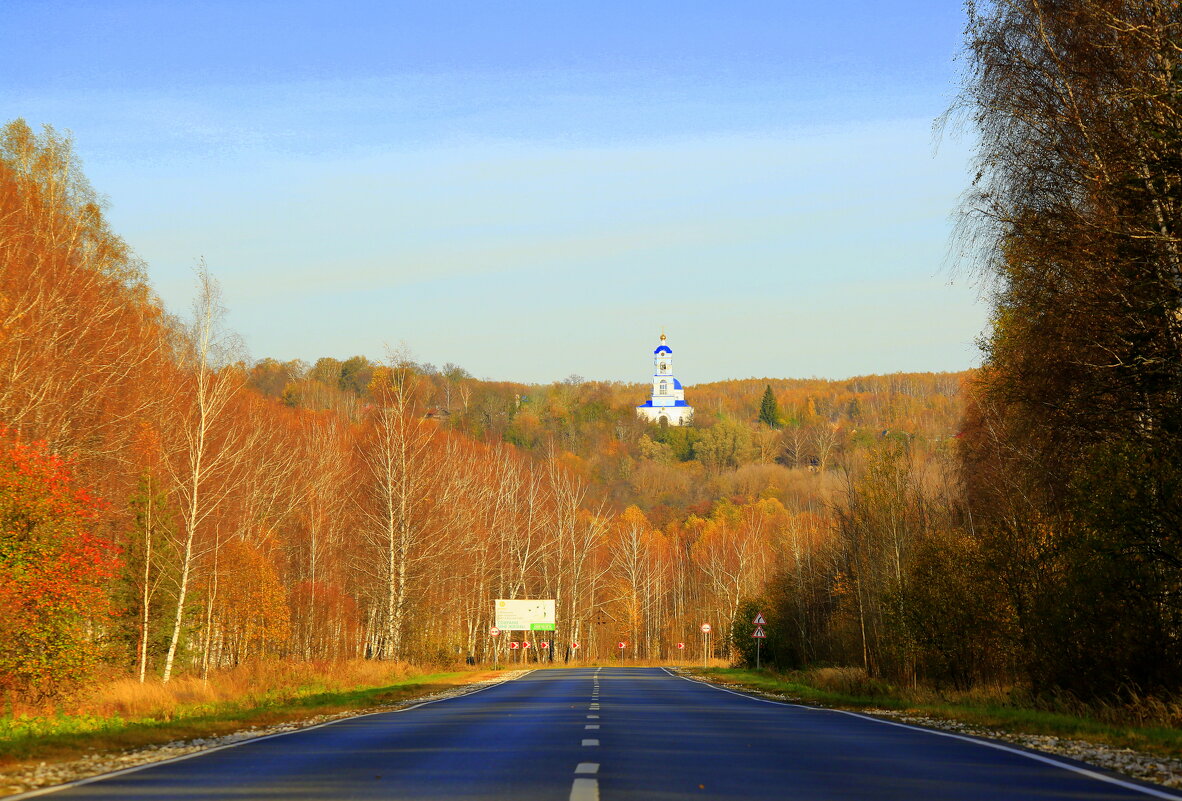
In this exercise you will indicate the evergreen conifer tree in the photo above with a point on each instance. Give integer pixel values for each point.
(769, 410)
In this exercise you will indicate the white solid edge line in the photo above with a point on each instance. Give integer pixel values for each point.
(1152, 791)
(133, 769)
(584, 790)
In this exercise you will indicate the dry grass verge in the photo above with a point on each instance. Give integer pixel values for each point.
(249, 684)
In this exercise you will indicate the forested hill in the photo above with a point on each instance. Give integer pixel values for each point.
(729, 452)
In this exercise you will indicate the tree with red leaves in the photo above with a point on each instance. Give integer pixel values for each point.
(53, 569)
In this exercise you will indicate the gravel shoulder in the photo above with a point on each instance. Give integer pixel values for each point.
(1139, 765)
(28, 777)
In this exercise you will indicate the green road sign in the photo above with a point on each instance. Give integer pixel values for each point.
(541, 627)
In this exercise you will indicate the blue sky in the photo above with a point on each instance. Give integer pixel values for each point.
(530, 189)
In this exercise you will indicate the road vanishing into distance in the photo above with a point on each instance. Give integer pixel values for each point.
(611, 733)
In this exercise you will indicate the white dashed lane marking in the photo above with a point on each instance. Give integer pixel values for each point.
(584, 790)
(587, 789)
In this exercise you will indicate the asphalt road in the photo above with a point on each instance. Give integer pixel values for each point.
(612, 733)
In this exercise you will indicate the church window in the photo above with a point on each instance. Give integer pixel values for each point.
(664, 387)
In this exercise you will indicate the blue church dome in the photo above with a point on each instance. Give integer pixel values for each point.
(676, 384)
(663, 349)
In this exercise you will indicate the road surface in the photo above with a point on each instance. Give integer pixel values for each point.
(611, 733)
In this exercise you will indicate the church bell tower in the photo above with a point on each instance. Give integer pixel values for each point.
(667, 404)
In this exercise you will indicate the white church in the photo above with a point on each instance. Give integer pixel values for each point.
(667, 404)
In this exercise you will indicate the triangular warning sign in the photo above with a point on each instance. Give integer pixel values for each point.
(759, 621)
(759, 633)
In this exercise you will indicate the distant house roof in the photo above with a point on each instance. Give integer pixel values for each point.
(664, 349)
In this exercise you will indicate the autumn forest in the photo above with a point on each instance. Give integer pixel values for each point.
(170, 506)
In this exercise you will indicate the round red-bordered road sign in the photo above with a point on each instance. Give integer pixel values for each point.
(705, 628)
(494, 632)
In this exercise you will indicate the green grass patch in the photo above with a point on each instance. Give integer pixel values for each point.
(26, 738)
(1005, 717)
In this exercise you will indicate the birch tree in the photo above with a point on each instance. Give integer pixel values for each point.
(204, 452)
(402, 463)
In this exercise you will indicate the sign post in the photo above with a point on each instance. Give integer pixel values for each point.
(494, 632)
(705, 639)
(621, 645)
(759, 623)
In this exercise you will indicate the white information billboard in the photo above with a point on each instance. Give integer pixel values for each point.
(525, 614)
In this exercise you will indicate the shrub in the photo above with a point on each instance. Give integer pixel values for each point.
(53, 566)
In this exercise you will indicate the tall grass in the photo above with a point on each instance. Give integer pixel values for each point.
(249, 684)
(1128, 707)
